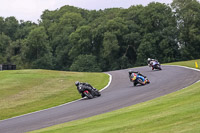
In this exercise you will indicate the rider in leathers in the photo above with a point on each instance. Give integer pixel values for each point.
(151, 62)
(77, 83)
(131, 72)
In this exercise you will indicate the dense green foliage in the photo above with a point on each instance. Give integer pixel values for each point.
(109, 39)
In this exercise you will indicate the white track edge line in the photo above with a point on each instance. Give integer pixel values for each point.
(110, 79)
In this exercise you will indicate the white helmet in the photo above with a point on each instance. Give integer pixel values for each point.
(149, 59)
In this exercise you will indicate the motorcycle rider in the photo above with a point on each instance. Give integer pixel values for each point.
(136, 72)
(77, 83)
(151, 62)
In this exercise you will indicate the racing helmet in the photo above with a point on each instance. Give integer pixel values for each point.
(77, 83)
(149, 59)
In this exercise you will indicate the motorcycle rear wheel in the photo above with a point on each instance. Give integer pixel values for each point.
(88, 94)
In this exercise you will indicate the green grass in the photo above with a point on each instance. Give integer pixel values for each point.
(173, 113)
(190, 63)
(25, 91)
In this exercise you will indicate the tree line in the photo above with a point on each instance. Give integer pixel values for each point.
(76, 39)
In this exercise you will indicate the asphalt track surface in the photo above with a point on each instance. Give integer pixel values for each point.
(119, 94)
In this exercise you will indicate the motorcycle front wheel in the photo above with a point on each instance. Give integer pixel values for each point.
(98, 93)
(134, 83)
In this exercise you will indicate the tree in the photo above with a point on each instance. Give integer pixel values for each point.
(85, 63)
(4, 46)
(187, 13)
(11, 26)
(110, 51)
(2, 25)
(159, 34)
(59, 25)
(80, 42)
(72, 19)
(146, 49)
(15, 53)
(24, 29)
(38, 52)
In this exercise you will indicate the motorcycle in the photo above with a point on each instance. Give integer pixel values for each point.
(156, 65)
(138, 79)
(88, 92)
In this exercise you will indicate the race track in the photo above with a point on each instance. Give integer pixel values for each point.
(119, 94)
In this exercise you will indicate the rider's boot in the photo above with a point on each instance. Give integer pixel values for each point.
(82, 95)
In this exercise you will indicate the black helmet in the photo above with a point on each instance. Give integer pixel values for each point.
(77, 83)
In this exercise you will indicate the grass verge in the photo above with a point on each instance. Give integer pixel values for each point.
(190, 63)
(175, 112)
(25, 91)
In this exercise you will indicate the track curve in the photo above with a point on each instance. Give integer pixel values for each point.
(119, 94)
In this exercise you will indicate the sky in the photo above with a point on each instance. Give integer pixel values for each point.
(31, 10)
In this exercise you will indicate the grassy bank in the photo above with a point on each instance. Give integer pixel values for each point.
(175, 112)
(25, 91)
(190, 63)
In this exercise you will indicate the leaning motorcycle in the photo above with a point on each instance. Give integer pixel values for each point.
(138, 79)
(156, 65)
(88, 92)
